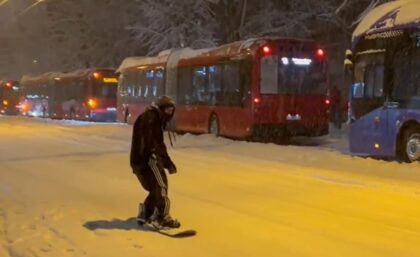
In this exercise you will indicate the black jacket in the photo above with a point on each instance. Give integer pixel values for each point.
(148, 139)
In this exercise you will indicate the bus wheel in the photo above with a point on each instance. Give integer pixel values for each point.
(411, 145)
(214, 125)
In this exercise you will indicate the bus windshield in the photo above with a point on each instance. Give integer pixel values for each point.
(105, 90)
(292, 76)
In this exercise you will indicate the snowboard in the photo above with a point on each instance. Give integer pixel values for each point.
(170, 232)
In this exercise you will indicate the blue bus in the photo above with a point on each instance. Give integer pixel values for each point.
(384, 106)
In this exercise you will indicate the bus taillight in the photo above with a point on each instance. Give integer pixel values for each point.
(266, 50)
(8, 84)
(92, 103)
(257, 100)
(327, 101)
(320, 53)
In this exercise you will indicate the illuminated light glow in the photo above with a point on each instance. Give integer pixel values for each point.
(285, 60)
(266, 49)
(24, 107)
(302, 61)
(377, 146)
(92, 103)
(57, 78)
(5, 102)
(8, 84)
(292, 117)
(327, 101)
(320, 52)
(110, 80)
(257, 100)
(96, 75)
(141, 67)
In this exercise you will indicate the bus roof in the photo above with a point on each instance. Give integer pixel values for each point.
(41, 78)
(82, 73)
(160, 59)
(48, 76)
(392, 15)
(230, 49)
(239, 49)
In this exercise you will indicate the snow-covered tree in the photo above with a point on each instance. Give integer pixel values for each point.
(84, 32)
(164, 24)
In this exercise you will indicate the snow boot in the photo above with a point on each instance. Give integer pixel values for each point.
(169, 222)
(141, 217)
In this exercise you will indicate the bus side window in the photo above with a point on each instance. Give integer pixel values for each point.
(123, 85)
(136, 82)
(149, 93)
(200, 85)
(232, 94)
(401, 76)
(159, 82)
(358, 90)
(269, 75)
(245, 77)
(215, 84)
(369, 81)
(378, 90)
(374, 81)
(139, 82)
(185, 85)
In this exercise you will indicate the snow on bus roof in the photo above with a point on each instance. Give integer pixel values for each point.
(396, 14)
(136, 61)
(161, 58)
(47, 76)
(81, 73)
(40, 78)
(189, 53)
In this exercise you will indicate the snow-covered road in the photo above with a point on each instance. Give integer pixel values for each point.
(66, 190)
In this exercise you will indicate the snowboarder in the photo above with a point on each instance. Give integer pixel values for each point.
(149, 159)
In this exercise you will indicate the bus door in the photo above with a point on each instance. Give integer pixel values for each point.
(369, 116)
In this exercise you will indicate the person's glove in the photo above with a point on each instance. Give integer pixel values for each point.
(172, 169)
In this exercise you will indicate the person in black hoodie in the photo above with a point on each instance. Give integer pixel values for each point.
(149, 159)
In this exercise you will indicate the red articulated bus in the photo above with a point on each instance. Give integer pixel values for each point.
(9, 97)
(265, 88)
(88, 94)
